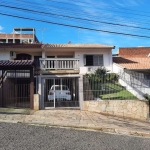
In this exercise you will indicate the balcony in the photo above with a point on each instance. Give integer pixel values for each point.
(60, 65)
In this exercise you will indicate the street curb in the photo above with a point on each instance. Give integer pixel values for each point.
(100, 129)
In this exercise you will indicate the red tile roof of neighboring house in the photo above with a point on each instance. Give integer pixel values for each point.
(132, 63)
(133, 58)
(11, 45)
(134, 52)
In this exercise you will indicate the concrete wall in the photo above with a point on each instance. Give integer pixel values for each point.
(125, 108)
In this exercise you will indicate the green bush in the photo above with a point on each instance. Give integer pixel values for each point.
(101, 75)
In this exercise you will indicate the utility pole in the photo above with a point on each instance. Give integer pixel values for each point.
(43, 29)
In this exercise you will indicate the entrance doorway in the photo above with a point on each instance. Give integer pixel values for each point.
(61, 92)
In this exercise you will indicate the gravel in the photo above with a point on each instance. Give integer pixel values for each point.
(27, 137)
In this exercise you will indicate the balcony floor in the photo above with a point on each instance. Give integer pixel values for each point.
(59, 71)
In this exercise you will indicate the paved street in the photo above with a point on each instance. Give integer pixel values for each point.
(25, 137)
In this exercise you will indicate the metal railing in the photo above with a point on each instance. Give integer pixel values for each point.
(106, 87)
(59, 63)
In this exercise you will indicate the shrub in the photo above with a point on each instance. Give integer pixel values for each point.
(102, 75)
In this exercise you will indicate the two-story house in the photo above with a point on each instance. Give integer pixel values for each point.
(54, 71)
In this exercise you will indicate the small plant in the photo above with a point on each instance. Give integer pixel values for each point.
(101, 71)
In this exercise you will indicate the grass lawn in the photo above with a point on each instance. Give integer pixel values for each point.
(112, 91)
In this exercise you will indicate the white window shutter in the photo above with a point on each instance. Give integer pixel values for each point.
(95, 60)
(101, 62)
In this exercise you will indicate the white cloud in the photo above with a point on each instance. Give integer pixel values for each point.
(124, 3)
(1, 28)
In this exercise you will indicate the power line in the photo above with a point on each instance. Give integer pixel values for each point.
(109, 29)
(88, 14)
(78, 18)
(67, 20)
(57, 1)
(26, 2)
(95, 4)
(73, 26)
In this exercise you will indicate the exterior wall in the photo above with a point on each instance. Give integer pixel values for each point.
(117, 68)
(107, 57)
(4, 55)
(66, 53)
(125, 108)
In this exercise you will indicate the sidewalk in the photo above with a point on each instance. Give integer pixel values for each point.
(78, 119)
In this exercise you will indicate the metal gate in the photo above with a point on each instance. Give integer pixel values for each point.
(15, 89)
(61, 92)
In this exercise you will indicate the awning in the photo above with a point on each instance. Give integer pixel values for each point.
(16, 64)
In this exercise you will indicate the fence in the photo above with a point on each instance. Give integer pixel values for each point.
(105, 87)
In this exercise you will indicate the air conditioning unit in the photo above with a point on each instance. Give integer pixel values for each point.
(12, 55)
(90, 69)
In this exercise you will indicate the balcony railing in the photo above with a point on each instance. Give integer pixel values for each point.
(59, 63)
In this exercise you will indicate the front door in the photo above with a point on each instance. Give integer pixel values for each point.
(61, 92)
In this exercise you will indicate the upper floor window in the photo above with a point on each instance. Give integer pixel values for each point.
(93, 60)
(23, 57)
(147, 76)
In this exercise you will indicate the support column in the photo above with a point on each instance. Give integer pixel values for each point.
(43, 54)
(81, 92)
(2, 87)
(31, 88)
(41, 100)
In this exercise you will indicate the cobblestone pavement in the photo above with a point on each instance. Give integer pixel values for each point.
(79, 119)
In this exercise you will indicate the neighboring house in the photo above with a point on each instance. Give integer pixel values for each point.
(133, 67)
(19, 35)
(54, 71)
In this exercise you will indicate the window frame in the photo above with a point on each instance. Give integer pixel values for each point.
(85, 61)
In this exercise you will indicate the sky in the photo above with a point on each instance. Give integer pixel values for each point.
(133, 17)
